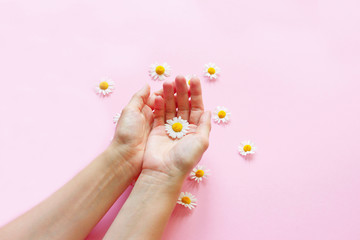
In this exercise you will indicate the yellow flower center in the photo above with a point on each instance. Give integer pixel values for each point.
(211, 70)
(177, 127)
(186, 200)
(160, 70)
(221, 114)
(199, 173)
(247, 148)
(103, 85)
(189, 82)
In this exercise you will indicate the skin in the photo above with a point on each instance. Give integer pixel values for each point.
(140, 148)
(166, 163)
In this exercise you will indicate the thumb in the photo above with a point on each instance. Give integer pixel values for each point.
(204, 125)
(140, 98)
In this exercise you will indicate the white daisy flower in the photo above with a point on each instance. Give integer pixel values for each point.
(159, 71)
(198, 173)
(187, 200)
(247, 147)
(221, 115)
(105, 86)
(211, 71)
(116, 118)
(177, 127)
(188, 78)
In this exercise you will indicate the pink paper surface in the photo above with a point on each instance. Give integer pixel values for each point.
(290, 77)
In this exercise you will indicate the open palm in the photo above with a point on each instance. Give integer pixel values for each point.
(168, 155)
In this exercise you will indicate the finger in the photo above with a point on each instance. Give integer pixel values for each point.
(182, 95)
(151, 99)
(204, 126)
(174, 86)
(170, 106)
(159, 111)
(159, 92)
(149, 116)
(140, 98)
(197, 106)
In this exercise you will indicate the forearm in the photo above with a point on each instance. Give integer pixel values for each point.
(148, 208)
(72, 211)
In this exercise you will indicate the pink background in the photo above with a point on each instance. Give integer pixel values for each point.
(290, 76)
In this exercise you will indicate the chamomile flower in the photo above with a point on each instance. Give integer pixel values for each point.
(105, 86)
(159, 71)
(221, 115)
(199, 173)
(177, 127)
(187, 200)
(116, 118)
(247, 147)
(211, 71)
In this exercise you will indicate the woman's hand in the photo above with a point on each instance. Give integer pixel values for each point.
(133, 129)
(73, 210)
(177, 157)
(166, 163)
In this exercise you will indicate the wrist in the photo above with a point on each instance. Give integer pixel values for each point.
(173, 180)
(121, 160)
